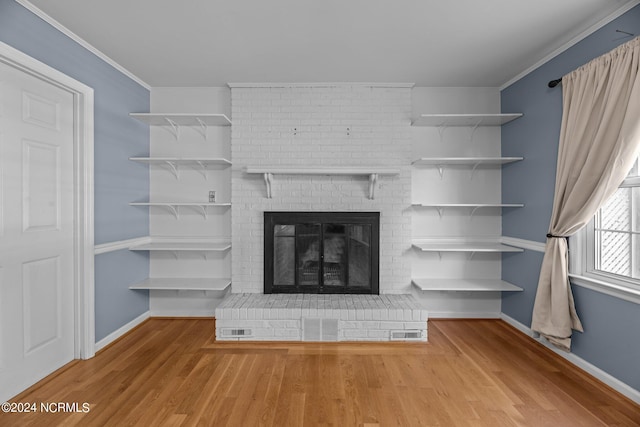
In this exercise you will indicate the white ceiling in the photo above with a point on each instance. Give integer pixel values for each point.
(427, 42)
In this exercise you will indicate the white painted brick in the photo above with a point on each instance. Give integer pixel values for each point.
(414, 325)
(377, 117)
(391, 325)
(375, 333)
(355, 333)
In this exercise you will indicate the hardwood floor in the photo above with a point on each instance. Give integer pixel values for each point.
(471, 373)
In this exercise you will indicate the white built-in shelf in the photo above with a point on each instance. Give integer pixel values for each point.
(473, 206)
(473, 162)
(183, 284)
(472, 120)
(201, 164)
(371, 171)
(175, 121)
(174, 207)
(465, 247)
(182, 119)
(470, 161)
(472, 285)
(441, 246)
(182, 244)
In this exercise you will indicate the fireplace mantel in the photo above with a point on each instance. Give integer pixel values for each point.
(372, 171)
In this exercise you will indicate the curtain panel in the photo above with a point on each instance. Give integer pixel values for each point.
(599, 141)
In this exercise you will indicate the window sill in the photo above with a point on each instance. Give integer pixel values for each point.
(612, 289)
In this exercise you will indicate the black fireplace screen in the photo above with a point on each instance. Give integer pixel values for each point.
(321, 252)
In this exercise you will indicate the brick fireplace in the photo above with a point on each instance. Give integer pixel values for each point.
(287, 142)
(317, 126)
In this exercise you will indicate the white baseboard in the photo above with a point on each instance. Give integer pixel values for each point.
(593, 370)
(183, 313)
(462, 315)
(121, 331)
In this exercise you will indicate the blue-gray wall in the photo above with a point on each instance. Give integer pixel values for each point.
(117, 137)
(611, 340)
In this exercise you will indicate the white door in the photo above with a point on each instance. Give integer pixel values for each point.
(36, 229)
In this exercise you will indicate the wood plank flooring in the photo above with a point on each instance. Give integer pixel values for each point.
(470, 373)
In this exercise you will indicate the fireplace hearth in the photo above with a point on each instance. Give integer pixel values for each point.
(321, 252)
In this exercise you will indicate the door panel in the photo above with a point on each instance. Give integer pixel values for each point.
(40, 286)
(41, 186)
(40, 111)
(37, 217)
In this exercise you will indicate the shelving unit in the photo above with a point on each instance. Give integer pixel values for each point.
(448, 246)
(462, 244)
(201, 164)
(170, 201)
(174, 121)
(182, 246)
(466, 120)
(183, 284)
(373, 172)
(473, 162)
(174, 207)
(464, 285)
(473, 206)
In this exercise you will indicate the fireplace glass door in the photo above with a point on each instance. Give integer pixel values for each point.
(321, 253)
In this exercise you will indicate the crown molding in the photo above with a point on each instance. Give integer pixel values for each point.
(315, 84)
(76, 38)
(592, 29)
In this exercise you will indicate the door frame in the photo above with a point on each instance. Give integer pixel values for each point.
(83, 239)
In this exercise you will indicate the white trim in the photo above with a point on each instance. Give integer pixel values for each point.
(104, 248)
(121, 331)
(579, 274)
(84, 318)
(592, 29)
(608, 288)
(76, 38)
(317, 84)
(184, 312)
(464, 315)
(593, 370)
(524, 244)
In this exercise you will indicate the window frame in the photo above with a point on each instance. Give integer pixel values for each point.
(582, 262)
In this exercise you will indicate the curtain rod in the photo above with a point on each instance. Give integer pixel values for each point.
(554, 83)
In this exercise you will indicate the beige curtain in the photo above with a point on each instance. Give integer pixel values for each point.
(599, 140)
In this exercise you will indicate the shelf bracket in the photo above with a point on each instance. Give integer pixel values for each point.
(175, 128)
(175, 254)
(174, 210)
(203, 168)
(440, 211)
(473, 211)
(473, 130)
(174, 168)
(373, 178)
(473, 170)
(440, 171)
(203, 128)
(441, 130)
(268, 178)
(203, 210)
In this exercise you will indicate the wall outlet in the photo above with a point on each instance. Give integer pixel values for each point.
(212, 196)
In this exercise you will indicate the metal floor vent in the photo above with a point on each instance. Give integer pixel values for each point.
(319, 329)
(236, 333)
(406, 335)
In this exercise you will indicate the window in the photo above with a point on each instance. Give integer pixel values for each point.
(607, 252)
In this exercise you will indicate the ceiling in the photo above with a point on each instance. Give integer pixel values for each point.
(426, 42)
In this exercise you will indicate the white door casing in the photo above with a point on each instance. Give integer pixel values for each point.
(46, 221)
